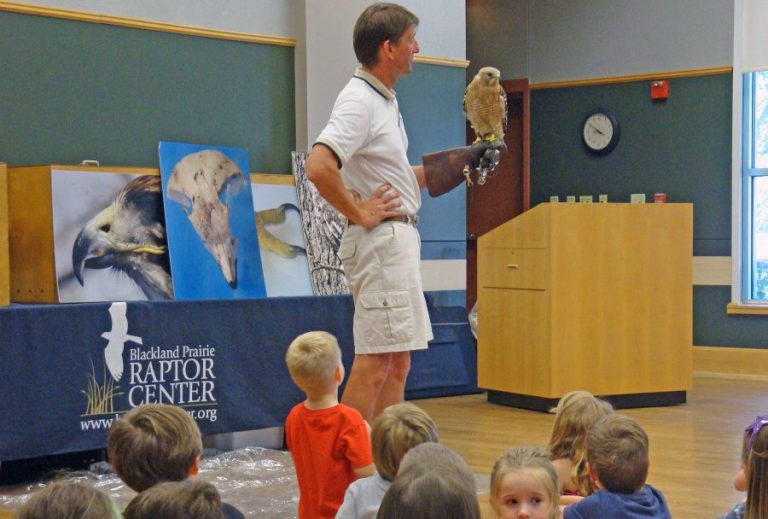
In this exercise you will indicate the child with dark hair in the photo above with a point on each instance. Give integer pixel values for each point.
(176, 500)
(433, 483)
(617, 461)
(154, 443)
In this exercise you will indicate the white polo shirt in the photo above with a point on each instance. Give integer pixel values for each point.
(367, 134)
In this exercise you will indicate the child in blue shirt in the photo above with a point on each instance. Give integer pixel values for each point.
(617, 461)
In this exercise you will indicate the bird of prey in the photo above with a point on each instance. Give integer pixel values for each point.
(117, 336)
(485, 105)
(198, 182)
(269, 241)
(128, 236)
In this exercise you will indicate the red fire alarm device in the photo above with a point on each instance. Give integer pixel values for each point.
(659, 89)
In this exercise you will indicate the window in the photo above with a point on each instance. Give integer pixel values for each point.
(755, 186)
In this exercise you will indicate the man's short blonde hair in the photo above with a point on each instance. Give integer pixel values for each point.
(395, 431)
(312, 358)
(152, 443)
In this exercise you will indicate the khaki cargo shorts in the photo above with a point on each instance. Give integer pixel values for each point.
(383, 269)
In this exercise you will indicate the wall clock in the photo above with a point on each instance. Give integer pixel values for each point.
(600, 131)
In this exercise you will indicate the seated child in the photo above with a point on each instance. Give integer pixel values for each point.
(524, 484)
(753, 476)
(574, 415)
(63, 499)
(329, 441)
(176, 500)
(153, 443)
(433, 483)
(617, 461)
(396, 430)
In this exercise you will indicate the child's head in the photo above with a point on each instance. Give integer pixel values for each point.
(313, 360)
(523, 479)
(66, 500)
(575, 414)
(177, 500)
(757, 469)
(617, 452)
(154, 443)
(433, 483)
(395, 431)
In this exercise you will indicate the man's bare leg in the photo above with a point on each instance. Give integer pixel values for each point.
(393, 389)
(366, 378)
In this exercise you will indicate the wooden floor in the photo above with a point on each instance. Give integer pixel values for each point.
(695, 447)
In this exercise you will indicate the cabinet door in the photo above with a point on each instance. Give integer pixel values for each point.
(513, 352)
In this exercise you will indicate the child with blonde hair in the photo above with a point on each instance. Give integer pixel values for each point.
(524, 484)
(395, 431)
(575, 414)
(69, 500)
(329, 441)
(754, 474)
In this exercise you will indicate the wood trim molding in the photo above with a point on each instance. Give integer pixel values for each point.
(738, 362)
(446, 62)
(133, 23)
(274, 179)
(746, 309)
(634, 77)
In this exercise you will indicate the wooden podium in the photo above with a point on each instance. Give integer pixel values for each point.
(596, 297)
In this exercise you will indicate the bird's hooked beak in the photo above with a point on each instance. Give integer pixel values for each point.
(225, 254)
(95, 248)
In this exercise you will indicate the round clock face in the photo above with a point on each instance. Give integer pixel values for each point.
(600, 132)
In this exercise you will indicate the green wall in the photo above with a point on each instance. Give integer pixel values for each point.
(75, 90)
(681, 147)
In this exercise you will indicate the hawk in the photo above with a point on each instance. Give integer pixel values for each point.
(485, 105)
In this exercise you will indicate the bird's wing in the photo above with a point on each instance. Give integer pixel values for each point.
(118, 312)
(503, 101)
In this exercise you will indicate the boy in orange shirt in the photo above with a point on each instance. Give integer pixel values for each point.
(330, 442)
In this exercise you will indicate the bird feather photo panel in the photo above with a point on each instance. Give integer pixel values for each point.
(212, 240)
(323, 227)
(281, 240)
(109, 235)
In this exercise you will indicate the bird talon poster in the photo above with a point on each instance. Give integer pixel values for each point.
(212, 240)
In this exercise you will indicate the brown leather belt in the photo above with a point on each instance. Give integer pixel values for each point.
(412, 219)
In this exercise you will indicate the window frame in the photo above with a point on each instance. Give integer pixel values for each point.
(748, 173)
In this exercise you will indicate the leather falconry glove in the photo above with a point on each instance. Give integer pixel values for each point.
(444, 170)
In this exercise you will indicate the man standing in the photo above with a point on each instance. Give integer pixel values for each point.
(359, 164)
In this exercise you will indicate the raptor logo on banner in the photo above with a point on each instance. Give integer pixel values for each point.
(134, 374)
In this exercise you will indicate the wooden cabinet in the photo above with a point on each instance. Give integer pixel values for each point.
(596, 297)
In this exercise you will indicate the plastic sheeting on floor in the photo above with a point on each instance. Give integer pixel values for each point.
(259, 482)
